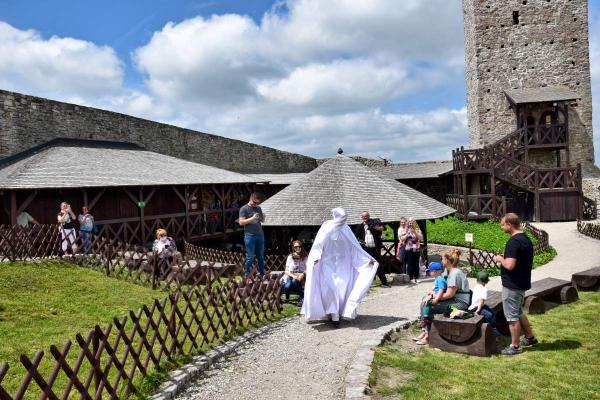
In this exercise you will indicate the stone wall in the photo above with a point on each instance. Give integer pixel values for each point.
(27, 121)
(526, 44)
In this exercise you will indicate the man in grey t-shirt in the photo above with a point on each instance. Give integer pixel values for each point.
(251, 216)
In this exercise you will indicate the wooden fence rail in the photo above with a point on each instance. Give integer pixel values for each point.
(107, 362)
(589, 229)
(203, 306)
(485, 259)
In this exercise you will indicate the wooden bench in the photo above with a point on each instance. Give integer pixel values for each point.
(548, 289)
(470, 336)
(587, 280)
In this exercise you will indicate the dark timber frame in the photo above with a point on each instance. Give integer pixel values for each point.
(132, 214)
(502, 176)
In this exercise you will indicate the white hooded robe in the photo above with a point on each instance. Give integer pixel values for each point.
(338, 282)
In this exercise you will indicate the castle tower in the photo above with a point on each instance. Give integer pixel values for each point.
(527, 65)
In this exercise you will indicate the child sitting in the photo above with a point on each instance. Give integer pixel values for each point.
(478, 306)
(439, 287)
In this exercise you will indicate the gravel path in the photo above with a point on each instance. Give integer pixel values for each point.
(296, 360)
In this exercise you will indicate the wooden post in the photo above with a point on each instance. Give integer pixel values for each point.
(537, 197)
(13, 208)
(186, 195)
(96, 367)
(142, 224)
(580, 192)
(568, 146)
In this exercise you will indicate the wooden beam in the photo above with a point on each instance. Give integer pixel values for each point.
(181, 197)
(13, 207)
(149, 197)
(131, 196)
(27, 202)
(97, 197)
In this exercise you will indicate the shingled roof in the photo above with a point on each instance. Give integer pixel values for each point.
(540, 95)
(343, 182)
(417, 170)
(68, 163)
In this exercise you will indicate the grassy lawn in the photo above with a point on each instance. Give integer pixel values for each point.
(49, 302)
(487, 235)
(565, 365)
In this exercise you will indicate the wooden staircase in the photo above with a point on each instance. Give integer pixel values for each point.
(506, 163)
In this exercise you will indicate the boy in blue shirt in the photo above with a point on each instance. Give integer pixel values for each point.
(439, 287)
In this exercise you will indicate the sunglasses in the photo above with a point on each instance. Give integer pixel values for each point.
(297, 247)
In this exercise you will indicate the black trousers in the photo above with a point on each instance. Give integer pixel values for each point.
(412, 264)
(375, 252)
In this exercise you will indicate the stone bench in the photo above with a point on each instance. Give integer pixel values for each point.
(588, 280)
(548, 289)
(469, 336)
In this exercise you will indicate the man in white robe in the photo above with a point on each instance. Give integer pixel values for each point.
(339, 272)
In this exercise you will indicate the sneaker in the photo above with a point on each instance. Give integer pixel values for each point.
(421, 342)
(511, 351)
(527, 342)
(417, 281)
(385, 285)
(336, 324)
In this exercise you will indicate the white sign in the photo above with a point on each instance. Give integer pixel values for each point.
(469, 237)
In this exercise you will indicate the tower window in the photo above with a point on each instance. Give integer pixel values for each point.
(515, 18)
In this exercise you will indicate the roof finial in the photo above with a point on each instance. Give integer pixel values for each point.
(340, 151)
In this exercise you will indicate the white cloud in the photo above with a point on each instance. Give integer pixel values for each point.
(60, 67)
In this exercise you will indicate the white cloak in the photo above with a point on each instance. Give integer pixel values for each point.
(338, 282)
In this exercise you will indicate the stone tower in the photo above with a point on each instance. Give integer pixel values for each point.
(529, 44)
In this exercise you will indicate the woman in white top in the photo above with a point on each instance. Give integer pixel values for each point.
(295, 271)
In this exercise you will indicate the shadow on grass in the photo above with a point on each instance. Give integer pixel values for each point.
(557, 345)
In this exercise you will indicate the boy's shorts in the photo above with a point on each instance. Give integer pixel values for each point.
(512, 303)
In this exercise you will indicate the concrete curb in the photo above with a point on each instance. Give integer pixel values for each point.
(357, 378)
(180, 378)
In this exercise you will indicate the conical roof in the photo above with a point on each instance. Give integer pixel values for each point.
(343, 182)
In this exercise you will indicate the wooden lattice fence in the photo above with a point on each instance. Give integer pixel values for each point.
(485, 259)
(107, 362)
(204, 305)
(272, 262)
(589, 229)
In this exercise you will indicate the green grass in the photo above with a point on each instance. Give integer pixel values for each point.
(565, 365)
(49, 302)
(487, 235)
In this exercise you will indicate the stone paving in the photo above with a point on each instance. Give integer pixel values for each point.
(297, 360)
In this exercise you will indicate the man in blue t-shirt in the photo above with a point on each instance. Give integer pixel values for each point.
(251, 217)
(516, 263)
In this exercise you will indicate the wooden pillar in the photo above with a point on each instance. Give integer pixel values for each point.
(141, 210)
(13, 207)
(186, 195)
(423, 227)
(85, 197)
(568, 146)
(223, 219)
(580, 192)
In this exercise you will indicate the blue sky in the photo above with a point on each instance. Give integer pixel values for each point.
(376, 77)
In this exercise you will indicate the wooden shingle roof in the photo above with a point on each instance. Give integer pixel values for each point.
(68, 163)
(343, 182)
(416, 170)
(540, 95)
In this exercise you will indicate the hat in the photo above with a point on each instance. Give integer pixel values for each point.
(434, 266)
(483, 277)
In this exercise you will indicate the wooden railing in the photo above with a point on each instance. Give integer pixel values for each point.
(202, 307)
(108, 361)
(480, 204)
(272, 262)
(589, 229)
(484, 259)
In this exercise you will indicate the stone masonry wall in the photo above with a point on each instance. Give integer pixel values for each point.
(27, 121)
(547, 47)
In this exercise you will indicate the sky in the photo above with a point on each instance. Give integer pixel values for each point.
(379, 78)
